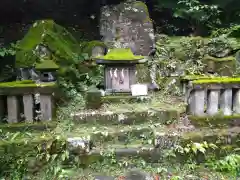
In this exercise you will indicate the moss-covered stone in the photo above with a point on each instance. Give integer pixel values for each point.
(88, 47)
(128, 117)
(217, 120)
(23, 127)
(126, 99)
(195, 77)
(223, 66)
(93, 99)
(25, 83)
(217, 80)
(26, 87)
(46, 32)
(46, 65)
(120, 55)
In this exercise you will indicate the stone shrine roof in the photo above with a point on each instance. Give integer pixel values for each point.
(120, 56)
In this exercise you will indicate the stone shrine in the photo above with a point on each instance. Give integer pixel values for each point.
(120, 69)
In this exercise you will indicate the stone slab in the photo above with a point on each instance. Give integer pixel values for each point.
(28, 107)
(13, 109)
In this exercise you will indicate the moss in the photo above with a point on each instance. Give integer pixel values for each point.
(195, 77)
(217, 80)
(223, 66)
(217, 120)
(120, 54)
(93, 99)
(229, 58)
(144, 6)
(26, 83)
(126, 99)
(88, 46)
(46, 32)
(28, 126)
(46, 64)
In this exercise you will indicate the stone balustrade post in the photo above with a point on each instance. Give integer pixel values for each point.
(213, 102)
(226, 102)
(197, 102)
(28, 107)
(13, 109)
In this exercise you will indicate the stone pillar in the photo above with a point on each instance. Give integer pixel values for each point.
(226, 102)
(236, 102)
(212, 102)
(13, 109)
(46, 105)
(2, 108)
(28, 107)
(197, 102)
(184, 87)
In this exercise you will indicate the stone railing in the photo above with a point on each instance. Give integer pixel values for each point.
(214, 96)
(18, 103)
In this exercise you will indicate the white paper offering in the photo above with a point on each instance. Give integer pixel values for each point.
(139, 90)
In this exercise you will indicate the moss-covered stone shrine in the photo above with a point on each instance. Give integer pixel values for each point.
(119, 69)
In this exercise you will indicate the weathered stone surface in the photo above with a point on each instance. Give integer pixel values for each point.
(13, 109)
(2, 108)
(136, 174)
(196, 102)
(161, 116)
(165, 140)
(213, 102)
(226, 102)
(79, 145)
(46, 105)
(28, 107)
(127, 25)
(236, 102)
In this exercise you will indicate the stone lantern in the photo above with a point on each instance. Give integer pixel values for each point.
(119, 69)
(46, 70)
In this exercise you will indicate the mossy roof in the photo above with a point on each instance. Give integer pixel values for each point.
(46, 64)
(120, 55)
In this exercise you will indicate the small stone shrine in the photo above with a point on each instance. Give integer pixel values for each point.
(120, 69)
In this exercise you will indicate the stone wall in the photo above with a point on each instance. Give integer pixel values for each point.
(127, 25)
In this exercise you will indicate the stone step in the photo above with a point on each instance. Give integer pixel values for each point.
(100, 134)
(127, 117)
(215, 121)
(126, 99)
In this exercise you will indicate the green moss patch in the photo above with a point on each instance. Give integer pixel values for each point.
(46, 65)
(88, 46)
(22, 84)
(120, 54)
(195, 77)
(217, 80)
(217, 121)
(126, 99)
(22, 127)
(53, 36)
(223, 66)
